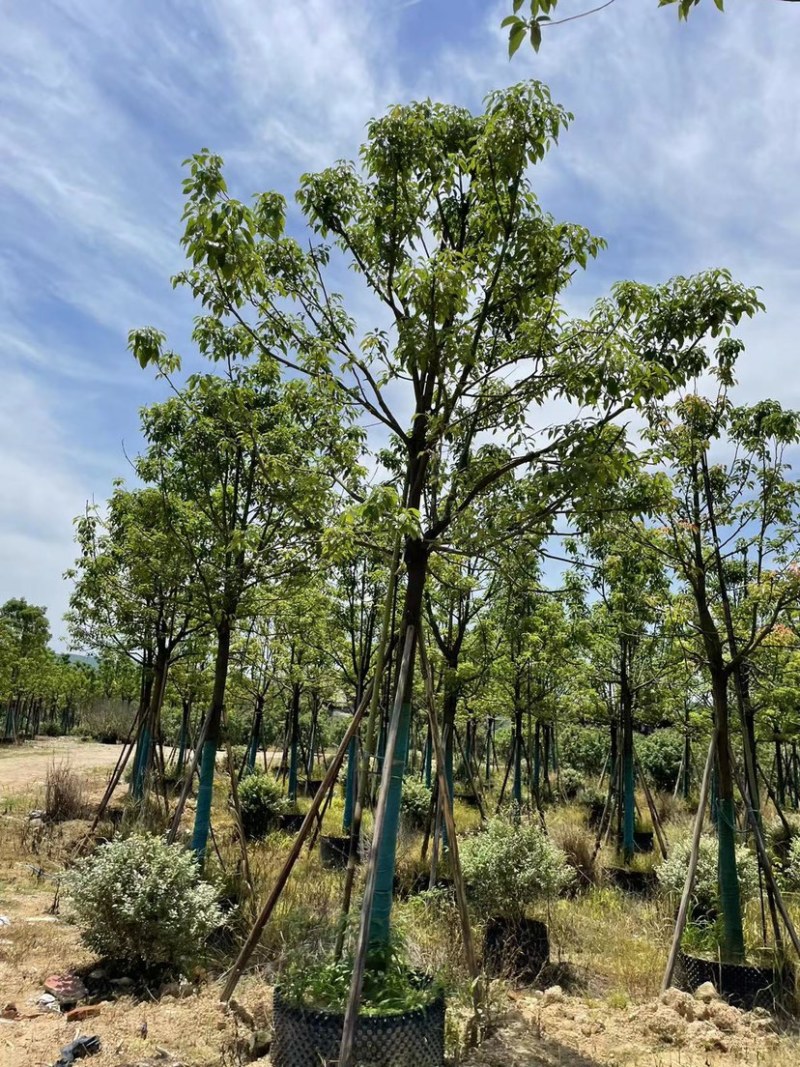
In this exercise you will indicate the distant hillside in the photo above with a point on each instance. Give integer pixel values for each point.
(73, 657)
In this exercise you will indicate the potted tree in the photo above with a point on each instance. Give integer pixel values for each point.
(510, 868)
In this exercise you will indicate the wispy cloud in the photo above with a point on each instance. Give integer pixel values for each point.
(684, 154)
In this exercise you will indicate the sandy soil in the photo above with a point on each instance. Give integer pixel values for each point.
(23, 768)
(532, 1029)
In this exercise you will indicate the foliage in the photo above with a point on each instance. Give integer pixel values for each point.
(583, 748)
(792, 871)
(705, 895)
(415, 804)
(511, 866)
(541, 11)
(142, 902)
(390, 988)
(660, 754)
(261, 800)
(571, 781)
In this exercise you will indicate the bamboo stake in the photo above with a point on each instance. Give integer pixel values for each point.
(362, 944)
(680, 922)
(772, 884)
(187, 783)
(452, 839)
(384, 650)
(297, 847)
(660, 836)
(239, 823)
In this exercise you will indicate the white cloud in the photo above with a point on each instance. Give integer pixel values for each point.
(684, 152)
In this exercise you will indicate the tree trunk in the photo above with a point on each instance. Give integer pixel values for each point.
(202, 817)
(416, 560)
(628, 774)
(186, 715)
(730, 899)
(294, 740)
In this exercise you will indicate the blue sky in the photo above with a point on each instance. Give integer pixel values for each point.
(684, 154)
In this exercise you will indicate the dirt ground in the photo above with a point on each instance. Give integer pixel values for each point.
(23, 768)
(530, 1028)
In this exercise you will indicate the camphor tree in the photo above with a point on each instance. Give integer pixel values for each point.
(469, 342)
(630, 591)
(24, 640)
(134, 594)
(729, 522)
(243, 462)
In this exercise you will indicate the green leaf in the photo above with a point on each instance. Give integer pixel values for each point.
(515, 39)
(536, 36)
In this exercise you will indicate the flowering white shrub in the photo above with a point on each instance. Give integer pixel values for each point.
(142, 902)
(705, 895)
(508, 867)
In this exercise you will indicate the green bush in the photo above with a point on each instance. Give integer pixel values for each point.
(389, 988)
(583, 748)
(571, 781)
(792, 870)
(415, 804)
(509, 867)
(705, 897)
(660, 755)
(261, 801)
(142, 902)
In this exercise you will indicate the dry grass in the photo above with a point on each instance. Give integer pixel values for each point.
(64, 796)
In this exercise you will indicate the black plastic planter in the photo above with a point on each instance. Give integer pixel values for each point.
(640, 883)
(306, 1038)
(334, 852)
(291, 822)
(742, 984)
(516, 948)
(643, 840)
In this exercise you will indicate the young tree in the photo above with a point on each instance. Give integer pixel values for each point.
(244, 464)
(442, 226)
(729, 522)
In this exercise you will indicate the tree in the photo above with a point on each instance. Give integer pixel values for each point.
(243, 462)
(540, 12)
(725, 524)
(134, 594)
(24, 638)
(442, 226)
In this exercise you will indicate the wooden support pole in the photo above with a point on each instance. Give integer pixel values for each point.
(688, 885)
(297, 847)
(187, 783)
(362, 944)
(660, 837)
(452, 839)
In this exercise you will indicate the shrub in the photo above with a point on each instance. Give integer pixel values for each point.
(792, 869)
(660, 754)
(780, 839)
(415, 804)
(141, 902)
(508, 867)
(583, 748)
(705, 897)
(63, 794)
(261, 801)
(51, 728)
(579, 852)
(389, 986)
(571, 782)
